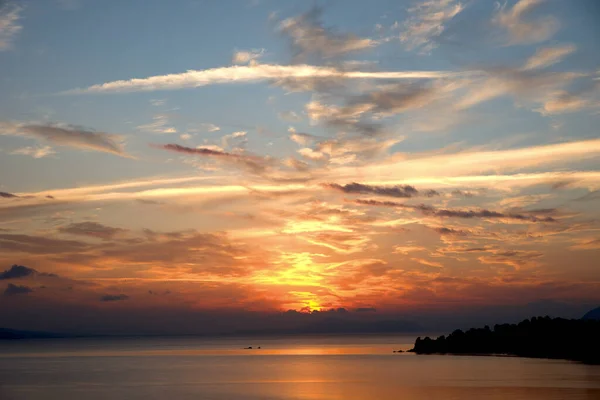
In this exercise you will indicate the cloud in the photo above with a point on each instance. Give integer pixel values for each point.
(352, 150)
(12, 290)
(35, 152)
(522, 30)
(406, 250)
(158, 102)
(309, 37)
(246, 56)
(20, 271)
(478, 163)
(114, 297)
(365, 309)
(547, 56)
(525, 86)
(514, 258)
(92, 229)
(490, 215)
(211, 127)
(347, 117)
(38, 244)
(251, 73)
(311, 154)
(301, 138)
(7, 195)
(254, 163)
(188, 254)
(405, 191)
(463, 193)
(160, 125)
(289, 116)
(427, 21)
(451, 231)
(586, 244)
(340, 242)
(10, 14)
(236, 140)
(67, 135)
(561, 101)
(428, 263)
(17, 271)
(450, 213)
(364, 112)
(398, 98)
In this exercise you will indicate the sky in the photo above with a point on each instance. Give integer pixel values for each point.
(201, 166)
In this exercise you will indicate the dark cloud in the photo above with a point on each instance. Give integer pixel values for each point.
(67, 135)
(150, 202)
(312, 84)
(7, 195)
(366, 309)
(114, 297)
(17, 271)
(92, 229)
(20, 271)
(349, 119)
(213, 254)
(405, 191)
(396, 98)
(253, 163)
(463, 193)
(450, 231)
(38, 244)
(308, 37)
(512, 258)
(467, 214)
(12, 290)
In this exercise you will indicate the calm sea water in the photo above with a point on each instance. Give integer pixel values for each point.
(315, 368)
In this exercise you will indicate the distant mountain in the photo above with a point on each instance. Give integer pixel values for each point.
(335, 326)
(11, 334)
(594, 314)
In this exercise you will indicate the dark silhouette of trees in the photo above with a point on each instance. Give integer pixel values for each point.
(541, 337)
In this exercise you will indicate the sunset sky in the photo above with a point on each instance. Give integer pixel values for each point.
(227, 161)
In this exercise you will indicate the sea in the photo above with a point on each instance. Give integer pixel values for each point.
(283, 368)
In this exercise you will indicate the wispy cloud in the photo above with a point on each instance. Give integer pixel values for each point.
(477, 162)
(92, 229)
(309, 36)
(254, 163)
(524, 30)
(562, 101)
(247, 56)
(35, 152)
(10, 14)
(12, 290)
(427, 21)
(67, 135)
(547, 56)
(428, 263)
(459, 213)
(20, 272)
(404, 191)
(30, 244)
(586, 244)
(252, 73)
(407, 249)
(160, 124)
(114, 297)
